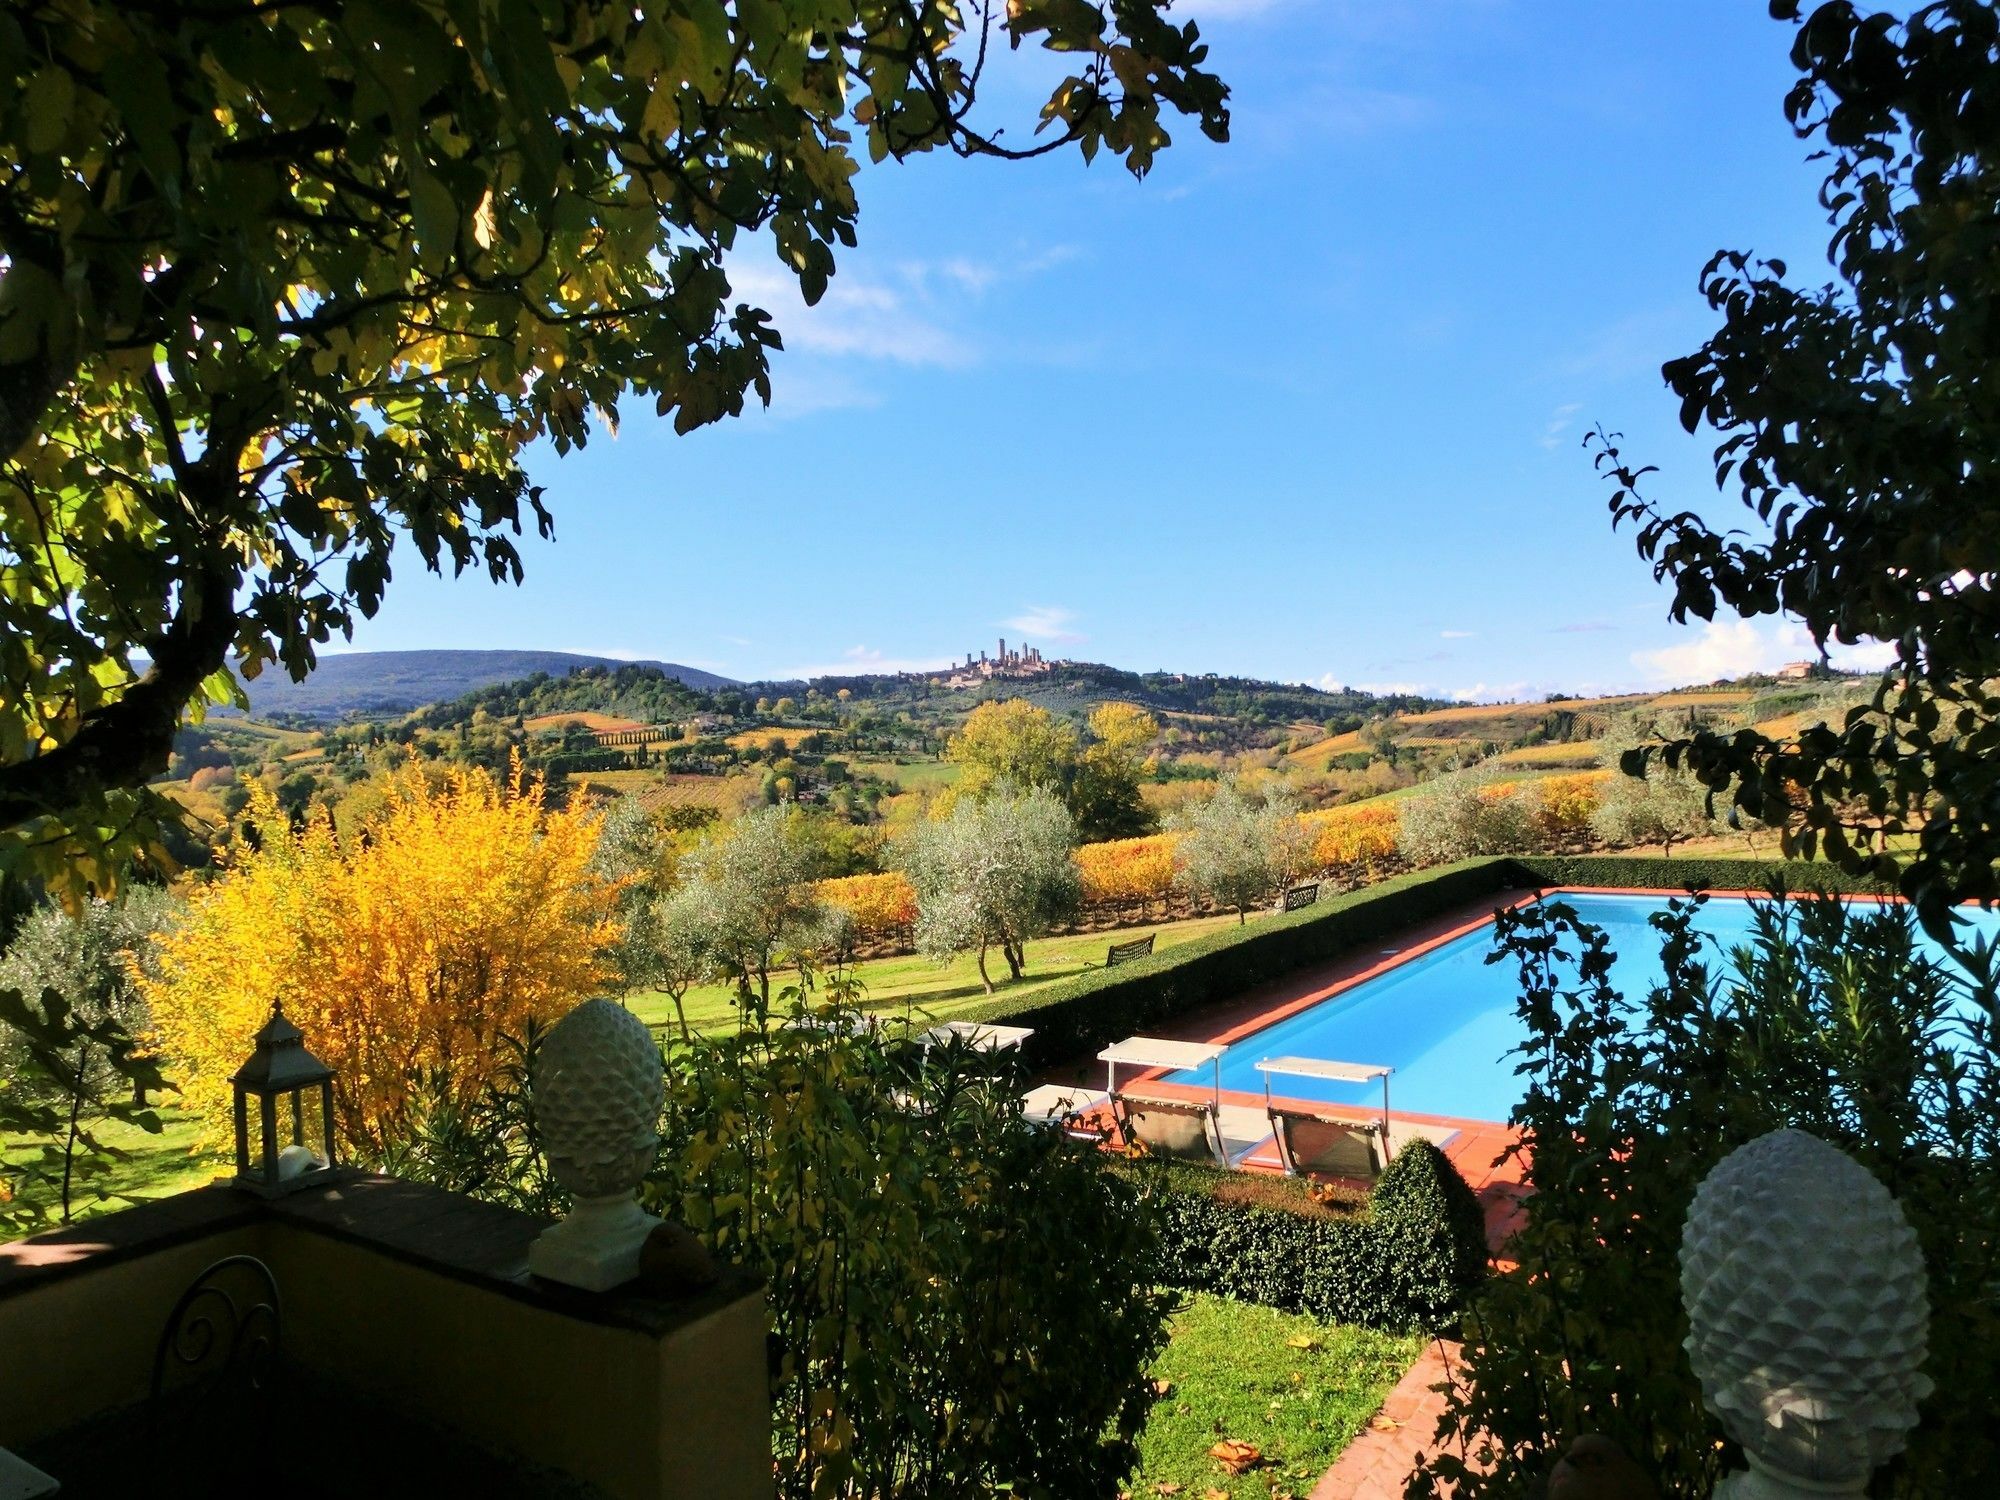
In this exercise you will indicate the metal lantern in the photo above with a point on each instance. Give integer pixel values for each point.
(280, 1070)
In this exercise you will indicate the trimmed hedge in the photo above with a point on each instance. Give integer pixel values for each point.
(1411, 1261)
(1081, 1015)
(1641, 872)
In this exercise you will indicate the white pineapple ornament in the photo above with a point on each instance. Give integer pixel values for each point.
(598, 1088)
(1807, 1316)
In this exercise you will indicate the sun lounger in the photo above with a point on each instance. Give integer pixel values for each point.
(1064, 1109)
(984, 1036)
(1328, 1141)
(1161, 1125)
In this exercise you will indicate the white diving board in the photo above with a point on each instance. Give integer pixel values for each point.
(1158, 1052)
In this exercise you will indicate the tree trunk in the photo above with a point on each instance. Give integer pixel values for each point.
(984, 978)
(1012, 951)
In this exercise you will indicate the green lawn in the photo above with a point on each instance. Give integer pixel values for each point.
(1299, 1389)
(941, 993)
(155, 1166)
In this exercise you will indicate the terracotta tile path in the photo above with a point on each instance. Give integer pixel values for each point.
(1377, 1464)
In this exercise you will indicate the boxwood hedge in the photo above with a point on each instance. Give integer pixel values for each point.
(1081, 1015)
(1643, 873)
(1410, 1260)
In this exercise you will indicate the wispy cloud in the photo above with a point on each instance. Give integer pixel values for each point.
(1733, 648)
(861, 661)
(1456, 635)
(1560, 422)
(857, 318)
(1046, 622)
(1581, 627)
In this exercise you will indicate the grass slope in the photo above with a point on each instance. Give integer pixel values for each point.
(940, 993)
(155, 1166)
(1300, 1389)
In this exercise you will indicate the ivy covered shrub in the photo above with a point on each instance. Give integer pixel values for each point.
(1831, 1018)
(1409, 1256)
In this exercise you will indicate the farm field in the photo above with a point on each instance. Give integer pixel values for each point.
(760, 738)
(1581, 754)
(909, 775)
(1299, 1389)
(936, 994)
(588, 718)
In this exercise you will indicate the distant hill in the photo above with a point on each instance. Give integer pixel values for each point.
(383, 683)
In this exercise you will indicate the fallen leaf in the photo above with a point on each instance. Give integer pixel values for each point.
(1167, 1487)
(1163, 1388)
(1237, 1456)
(1212, 1493)
(1303, 1341)
(1383, 1424)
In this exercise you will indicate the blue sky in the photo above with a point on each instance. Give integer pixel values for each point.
(1307, 406)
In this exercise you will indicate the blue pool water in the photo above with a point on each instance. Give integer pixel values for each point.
(1445, 1021)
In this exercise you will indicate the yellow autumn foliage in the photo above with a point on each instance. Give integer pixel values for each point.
(463, 911)
(1122, 870)
(880, 905)
(1360, 834)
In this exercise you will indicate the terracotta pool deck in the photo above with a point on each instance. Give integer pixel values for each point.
(1475, 1147)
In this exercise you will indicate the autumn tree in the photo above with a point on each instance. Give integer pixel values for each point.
(404, 956)
(286, 287)
(1015, 743)
(992, 875)
(1854, 419)
(1236, 852)
(1104, 793)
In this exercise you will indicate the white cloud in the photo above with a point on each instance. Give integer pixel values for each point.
(1559, 422)
(1045, 622)
(862, 661)
(856, 318)
(1736, 647)
(911, 314)
(1456, 635)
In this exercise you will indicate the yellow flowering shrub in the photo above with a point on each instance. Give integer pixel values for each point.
(463, 910)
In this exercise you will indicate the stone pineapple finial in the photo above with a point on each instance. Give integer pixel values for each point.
(598, 1088)
(1807, 1315)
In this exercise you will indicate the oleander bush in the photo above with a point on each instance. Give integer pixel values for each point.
(1408, 1256)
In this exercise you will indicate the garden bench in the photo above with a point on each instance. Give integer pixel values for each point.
(1124, 953)
(1302, 896)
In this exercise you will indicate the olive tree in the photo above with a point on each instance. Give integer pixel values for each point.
(748, 905)
(287, 287)
(1235, 852)
(993, 874)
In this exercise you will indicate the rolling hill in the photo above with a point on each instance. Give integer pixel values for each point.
(380, 683)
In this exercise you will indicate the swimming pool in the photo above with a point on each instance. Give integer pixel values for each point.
(1445, 1020)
